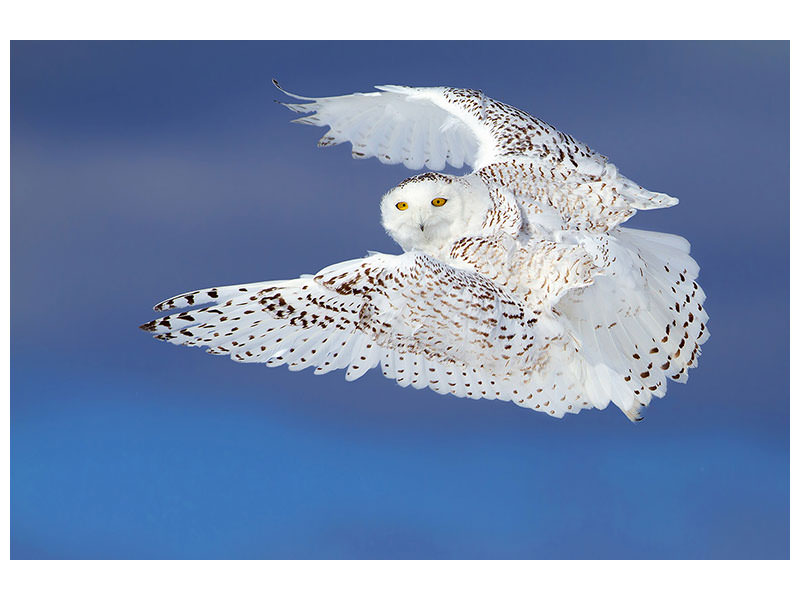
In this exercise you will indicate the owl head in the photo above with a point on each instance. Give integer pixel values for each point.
(429, 212)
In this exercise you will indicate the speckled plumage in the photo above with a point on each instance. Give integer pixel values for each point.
(518, 282)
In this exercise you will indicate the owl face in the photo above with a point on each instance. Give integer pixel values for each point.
(431, 211)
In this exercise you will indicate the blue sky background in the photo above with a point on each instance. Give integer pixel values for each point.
(141, 170)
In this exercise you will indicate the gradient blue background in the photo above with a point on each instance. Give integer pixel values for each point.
(140, 170)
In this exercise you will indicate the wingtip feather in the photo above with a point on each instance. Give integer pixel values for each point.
(290, 94)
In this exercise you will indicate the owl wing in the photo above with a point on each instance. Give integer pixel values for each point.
(427, 324)
(578, 200)
(642, 316)
(435, 126)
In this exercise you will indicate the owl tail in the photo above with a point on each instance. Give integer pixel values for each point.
(644, 319)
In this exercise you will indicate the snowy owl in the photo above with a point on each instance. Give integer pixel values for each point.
(517, 280)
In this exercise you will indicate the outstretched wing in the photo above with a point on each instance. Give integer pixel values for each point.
(426, 323)
(435, 126)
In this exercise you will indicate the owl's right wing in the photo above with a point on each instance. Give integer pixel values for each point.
(508, 148)
(427, 324)
(435, 126)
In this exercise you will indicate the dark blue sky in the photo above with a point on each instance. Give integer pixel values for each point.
(141, 170)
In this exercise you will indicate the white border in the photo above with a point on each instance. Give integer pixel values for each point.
(409, 19)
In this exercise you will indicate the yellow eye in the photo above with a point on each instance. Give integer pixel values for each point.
(438, 201)
(401, 205)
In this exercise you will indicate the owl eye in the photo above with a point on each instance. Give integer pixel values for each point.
(401, 205)
(438, 201)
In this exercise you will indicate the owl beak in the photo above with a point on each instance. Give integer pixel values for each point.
(422, 227)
